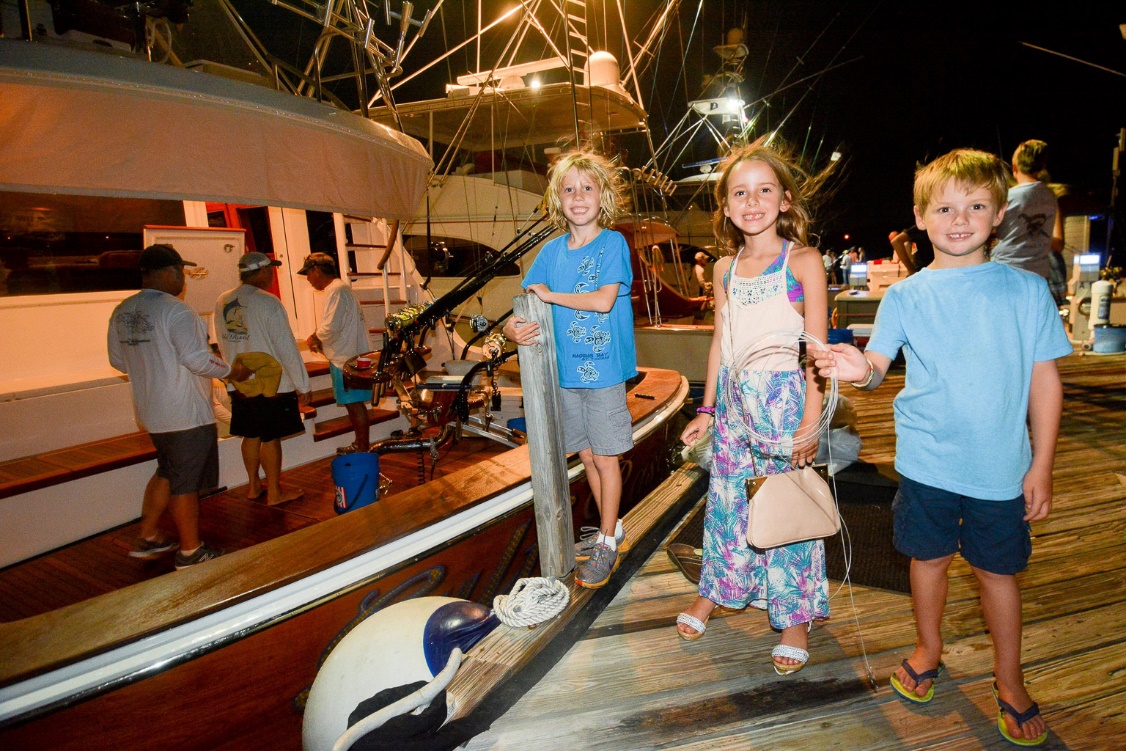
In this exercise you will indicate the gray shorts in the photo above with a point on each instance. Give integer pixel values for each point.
(597, 419)
(188, 459)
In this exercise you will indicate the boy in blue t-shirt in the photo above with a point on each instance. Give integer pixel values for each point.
(980, 340)
(586, 276)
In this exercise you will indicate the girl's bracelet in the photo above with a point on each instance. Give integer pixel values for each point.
(868, 380)
(706, 411)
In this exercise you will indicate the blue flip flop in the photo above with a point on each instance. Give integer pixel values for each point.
(910, 695)
(1021, 718)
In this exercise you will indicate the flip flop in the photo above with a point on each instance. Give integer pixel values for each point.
(911, 696)
(1021, 718)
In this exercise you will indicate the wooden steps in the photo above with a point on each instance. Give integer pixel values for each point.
(37, 471)
(341, 425)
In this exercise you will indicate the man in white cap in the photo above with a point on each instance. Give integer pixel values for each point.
(252, 327)
(340, 336)
(161, 343)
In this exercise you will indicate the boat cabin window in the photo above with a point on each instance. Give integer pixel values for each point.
(452, 257)
(55, 244)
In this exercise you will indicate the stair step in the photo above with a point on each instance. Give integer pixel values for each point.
(341, 425)
(380, 302)
(316, 368)
(321, 397)
(308, 412)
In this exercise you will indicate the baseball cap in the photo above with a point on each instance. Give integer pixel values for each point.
(160, 256)
(255, 261)
(318, 260)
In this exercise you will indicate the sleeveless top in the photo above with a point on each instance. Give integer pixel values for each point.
(758, 306)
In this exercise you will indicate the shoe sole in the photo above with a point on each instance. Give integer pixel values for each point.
(148, 555)
(911, 696)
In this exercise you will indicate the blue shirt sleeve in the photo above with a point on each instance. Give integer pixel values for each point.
(887, 332)
(1051, 340)
(541, 266)
(616, 268)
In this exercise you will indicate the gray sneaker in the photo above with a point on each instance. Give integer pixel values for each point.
(203, 553)
(149, 549)
(588, 537)
(596, 570)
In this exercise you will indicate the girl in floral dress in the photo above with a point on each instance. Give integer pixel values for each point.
(762, 409)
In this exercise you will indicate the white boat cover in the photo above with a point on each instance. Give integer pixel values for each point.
(90, 123)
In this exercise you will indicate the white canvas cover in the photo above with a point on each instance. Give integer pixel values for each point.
(89, 123)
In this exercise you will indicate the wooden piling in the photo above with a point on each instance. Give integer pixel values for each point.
(539, 380)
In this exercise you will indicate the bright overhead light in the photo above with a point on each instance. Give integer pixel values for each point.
(835, 156)
(535, 83)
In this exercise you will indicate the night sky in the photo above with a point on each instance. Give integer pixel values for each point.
(908, 82)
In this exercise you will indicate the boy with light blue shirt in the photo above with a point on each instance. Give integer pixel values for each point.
(980, 340)
(586, 277)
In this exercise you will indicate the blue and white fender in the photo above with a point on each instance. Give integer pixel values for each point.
(406, 643)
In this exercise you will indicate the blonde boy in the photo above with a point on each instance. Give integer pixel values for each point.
(980, 340)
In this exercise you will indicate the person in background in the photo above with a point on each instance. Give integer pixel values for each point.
(913, 249)
(845, 264)
(700, 274)
(585, 275)
(1032, 226)
(771, 282)
(161, 344)
(250, 322)
(340, 336)
(969, 481)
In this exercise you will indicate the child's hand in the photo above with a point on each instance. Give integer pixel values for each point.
(520, 331)
(1037, 489)
(844, 361)
(805, 454)
(540, 290)
(696, 429)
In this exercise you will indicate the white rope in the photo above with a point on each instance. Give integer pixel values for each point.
(420, 698)
(532, 601)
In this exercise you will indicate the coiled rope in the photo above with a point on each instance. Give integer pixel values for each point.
(531, 602)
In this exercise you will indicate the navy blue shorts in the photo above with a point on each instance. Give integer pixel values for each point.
(932, 523)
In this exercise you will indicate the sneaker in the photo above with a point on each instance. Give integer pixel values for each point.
(149, 549)
(588, 538)
(596, 570)
(203, 553)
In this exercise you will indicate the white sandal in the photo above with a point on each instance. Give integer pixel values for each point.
(793, 653)
(692, 622)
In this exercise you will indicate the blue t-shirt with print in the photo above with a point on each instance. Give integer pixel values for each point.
(970, 337)
(594, 350)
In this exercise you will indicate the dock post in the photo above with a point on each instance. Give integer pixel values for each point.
(539, 380)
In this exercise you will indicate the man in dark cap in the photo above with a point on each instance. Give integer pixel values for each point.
(341, 335)
(252, 328)
(161, 344)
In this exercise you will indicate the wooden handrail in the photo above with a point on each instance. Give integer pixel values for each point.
(392, 236)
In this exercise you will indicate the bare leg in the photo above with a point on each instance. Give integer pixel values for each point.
(272, 463)
(586, 456)
(1000, 603)
(153, 506)
(609, 473)
(361, 423)
(251, 451)
(185, 514)
(928, 595)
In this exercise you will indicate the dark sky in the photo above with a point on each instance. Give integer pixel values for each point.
(913, 81)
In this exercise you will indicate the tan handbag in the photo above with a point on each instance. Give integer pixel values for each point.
(790, 507)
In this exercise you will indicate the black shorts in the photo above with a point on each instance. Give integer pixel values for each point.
(267, 418)
(188, 459)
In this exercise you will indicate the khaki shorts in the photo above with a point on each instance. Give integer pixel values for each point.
(597, 419)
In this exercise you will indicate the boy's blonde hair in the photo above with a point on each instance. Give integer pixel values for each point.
(597, 167)
(794, 223)
(970, 169)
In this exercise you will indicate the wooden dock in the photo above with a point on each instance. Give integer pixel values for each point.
(630, 683)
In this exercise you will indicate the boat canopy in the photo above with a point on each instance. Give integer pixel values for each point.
(90, 123)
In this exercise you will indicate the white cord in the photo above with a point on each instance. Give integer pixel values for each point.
(409, 703)
(531, 602)
(759, 348)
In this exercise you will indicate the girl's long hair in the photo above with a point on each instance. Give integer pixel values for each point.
(801, 186)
